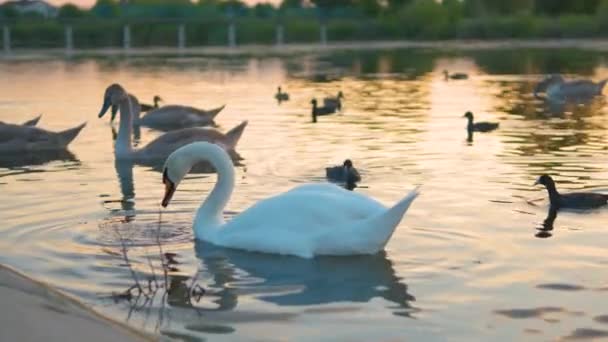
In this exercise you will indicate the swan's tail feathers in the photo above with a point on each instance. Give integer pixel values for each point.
(234, 135)
(70, 134)
(33, 122)
(385, 223)
(212, 113)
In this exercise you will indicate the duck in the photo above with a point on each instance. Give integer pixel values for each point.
(307, 221)
(479, 126)
(455, 76)
(335, 102)
(171, 117)
(32, 122)
(160, 148)
(280, 96)
(345, 173)
(146, 107)
(18, 138)
(557, 89)
(320, 111)
(573, 200)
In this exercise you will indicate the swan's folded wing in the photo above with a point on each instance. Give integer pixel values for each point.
(171, 141)
(9, 132)
(294, 222)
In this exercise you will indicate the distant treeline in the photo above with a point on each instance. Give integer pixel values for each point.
(154, 22)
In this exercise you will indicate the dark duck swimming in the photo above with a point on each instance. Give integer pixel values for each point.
(479, 126)
(345, 173)
(573, 200)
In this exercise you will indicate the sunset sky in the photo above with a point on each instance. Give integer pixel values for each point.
(88, 3)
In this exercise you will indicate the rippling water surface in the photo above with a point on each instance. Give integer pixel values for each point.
(468, 261)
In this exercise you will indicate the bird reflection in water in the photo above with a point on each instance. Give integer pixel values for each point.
(545, 231)
(36, 158)
(293, 281)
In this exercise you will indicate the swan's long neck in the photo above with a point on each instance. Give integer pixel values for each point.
(209, 217)
(123, 148)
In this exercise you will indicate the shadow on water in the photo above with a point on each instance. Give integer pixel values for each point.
(293, 281)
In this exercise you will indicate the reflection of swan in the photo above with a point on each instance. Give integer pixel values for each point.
(17, 138)
(124, 171)
(557, 89)
(159, 148)
(309, 220)
(12, 160)
(290, 281)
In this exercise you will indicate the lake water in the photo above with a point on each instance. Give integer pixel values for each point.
(467, 263)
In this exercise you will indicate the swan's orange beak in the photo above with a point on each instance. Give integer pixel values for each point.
(169, 190)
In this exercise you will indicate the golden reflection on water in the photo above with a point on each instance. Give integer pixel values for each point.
(466, 250)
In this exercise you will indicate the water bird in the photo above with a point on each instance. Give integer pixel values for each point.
(171, 117)
(18, 138)
(334, 102)
(32, 122)
(306, 221)
(281, 96)
(455, 76)
(556, 88)
(345, 173)
(146, 107)
(160, 148)
(479, 126)
(320, 111)
(573, 200)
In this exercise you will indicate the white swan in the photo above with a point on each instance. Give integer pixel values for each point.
(171, 117)
(309, 220)
(32, 122)
(159, 148)
(18, 138)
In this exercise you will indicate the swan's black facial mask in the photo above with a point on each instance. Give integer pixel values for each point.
(169, 189)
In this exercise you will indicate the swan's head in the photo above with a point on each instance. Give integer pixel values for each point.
(112, 97)
(340, 95)
(468, 115)
(347, 164)
(180, 162)
(313, 102)
(157, 98)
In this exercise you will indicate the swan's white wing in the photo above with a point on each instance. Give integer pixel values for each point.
(164, 145)
(173, 116)
(293, 222)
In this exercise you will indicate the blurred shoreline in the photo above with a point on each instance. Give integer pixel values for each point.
(35, 311)
(289, 49)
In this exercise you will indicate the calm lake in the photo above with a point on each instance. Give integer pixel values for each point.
(468, 262)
